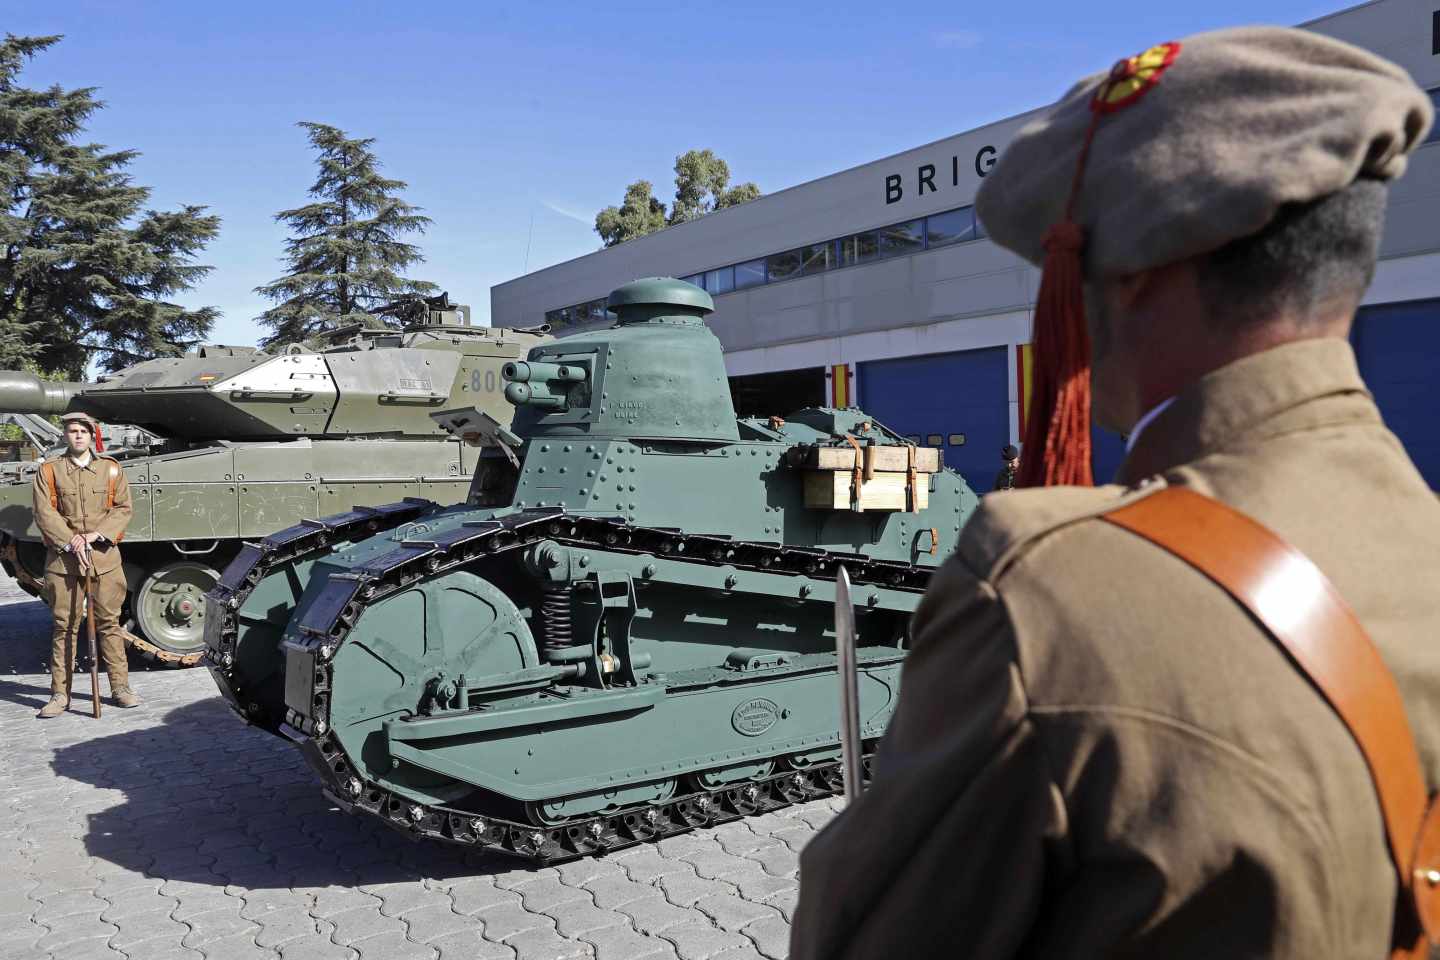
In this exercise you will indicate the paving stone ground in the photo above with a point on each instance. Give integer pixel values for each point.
(174, 831)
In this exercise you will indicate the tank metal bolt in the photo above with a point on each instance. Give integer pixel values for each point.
(752, 793)
(703, 804)
(477, 826)
(229, 658)
(320, 727)
(325, 651)
(537, 839)
(417, 813)
(596, 829)
(730, 581)
(651, 816)
(354, 786)
(797, 781)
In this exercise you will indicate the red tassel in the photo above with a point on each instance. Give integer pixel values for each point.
(1057, 431)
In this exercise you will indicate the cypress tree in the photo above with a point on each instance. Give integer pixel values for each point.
(86, 273)
(345, 257)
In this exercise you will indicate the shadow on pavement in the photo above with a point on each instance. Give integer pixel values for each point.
(208, 800)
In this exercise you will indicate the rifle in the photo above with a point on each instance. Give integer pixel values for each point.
(90, 630)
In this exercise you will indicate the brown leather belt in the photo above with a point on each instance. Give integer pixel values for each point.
(1300, 608)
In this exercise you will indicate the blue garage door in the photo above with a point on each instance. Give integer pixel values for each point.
(959, 401)
(1398, 346)
(1107, 452)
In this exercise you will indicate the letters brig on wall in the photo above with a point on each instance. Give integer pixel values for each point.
(927, 173)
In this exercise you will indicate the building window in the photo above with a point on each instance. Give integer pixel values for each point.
(720, 281)
(696, 278)
(782, 266)
(749, 274)
(861, 248)
(816, 257)
(1434, 136)
(902, 238)
(955, 226)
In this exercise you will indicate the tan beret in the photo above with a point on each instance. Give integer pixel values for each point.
(83, 419)
(1205, 142)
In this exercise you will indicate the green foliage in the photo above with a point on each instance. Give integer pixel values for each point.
(345, 257)
(85, 271)
(640, 213)
(702, 185)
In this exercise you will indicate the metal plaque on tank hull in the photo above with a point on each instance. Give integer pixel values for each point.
(755, 716)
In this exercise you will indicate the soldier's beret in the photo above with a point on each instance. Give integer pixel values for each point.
(81, 418)
(1200, 142)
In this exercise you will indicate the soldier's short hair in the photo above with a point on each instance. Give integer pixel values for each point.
(1310, 254)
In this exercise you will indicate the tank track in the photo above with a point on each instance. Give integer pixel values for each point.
(336, 609)
(255, 560)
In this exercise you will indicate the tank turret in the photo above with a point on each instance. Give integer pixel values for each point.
(658, 373)
(381, 383)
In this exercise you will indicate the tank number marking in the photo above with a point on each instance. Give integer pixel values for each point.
(754, 717)
(487, 383)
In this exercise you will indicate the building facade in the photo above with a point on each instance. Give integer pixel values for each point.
(877, 287)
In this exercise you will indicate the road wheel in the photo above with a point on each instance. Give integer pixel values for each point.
(169, 612)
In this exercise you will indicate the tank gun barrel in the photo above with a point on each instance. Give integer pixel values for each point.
(23, 392)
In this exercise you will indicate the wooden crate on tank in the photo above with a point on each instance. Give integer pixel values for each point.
(866, 477)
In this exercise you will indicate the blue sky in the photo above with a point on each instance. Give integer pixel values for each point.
(503, 115)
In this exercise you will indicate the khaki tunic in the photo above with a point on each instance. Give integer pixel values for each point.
(1097, 752)
(81, 495)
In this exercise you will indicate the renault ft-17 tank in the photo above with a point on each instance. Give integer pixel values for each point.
(627, 629)
(253, 441)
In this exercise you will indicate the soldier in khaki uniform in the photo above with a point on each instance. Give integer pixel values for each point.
(82, 507)
(1098, 752)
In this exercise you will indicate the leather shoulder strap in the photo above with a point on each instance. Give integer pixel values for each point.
(1300, 608)
(48, 468)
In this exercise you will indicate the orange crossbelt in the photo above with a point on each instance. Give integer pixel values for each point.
(48, 467)
(1300, 608)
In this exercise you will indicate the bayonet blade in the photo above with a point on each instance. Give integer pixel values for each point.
(850, 747)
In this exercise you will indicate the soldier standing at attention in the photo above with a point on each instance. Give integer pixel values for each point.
(82, 507)
(1098, 750)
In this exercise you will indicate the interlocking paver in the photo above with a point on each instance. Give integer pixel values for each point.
(217, 925)
(393, 946)
(425, 924)
(684, 889)
(656, 915)
(623, 943)
(546, 944)
(697, 940)
(469, 945)
(575, 918)
(771, 935)
(316, 948)
(134, 928)
(176, 833)
(362, 922)
(549, 892)
(732, 912)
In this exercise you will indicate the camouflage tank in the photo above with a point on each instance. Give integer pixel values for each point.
(625, 632)
(251, 442)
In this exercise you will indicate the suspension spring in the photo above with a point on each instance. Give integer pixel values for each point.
(556, 629)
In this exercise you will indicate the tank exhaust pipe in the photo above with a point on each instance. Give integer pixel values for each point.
(22, 392)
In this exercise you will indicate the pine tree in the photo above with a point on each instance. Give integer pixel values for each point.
(86, 273)
(345, 258)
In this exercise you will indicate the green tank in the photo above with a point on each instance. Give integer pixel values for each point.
(251, 442)
(627, 629)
